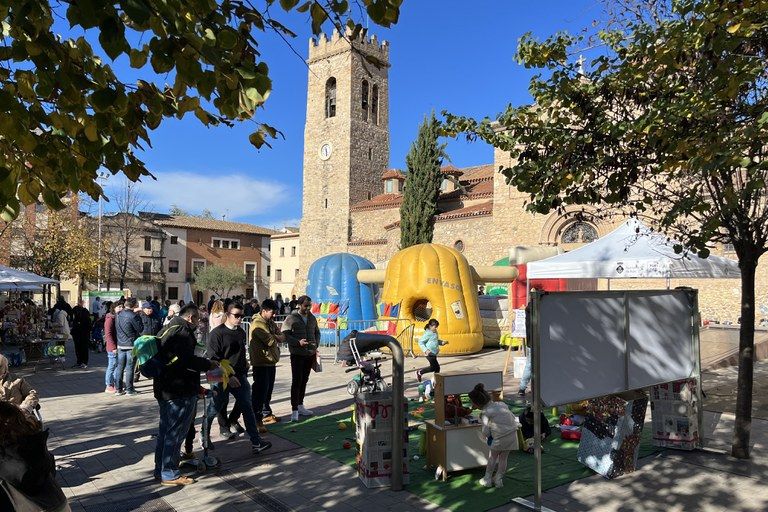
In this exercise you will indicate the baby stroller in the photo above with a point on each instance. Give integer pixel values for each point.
(369, 379)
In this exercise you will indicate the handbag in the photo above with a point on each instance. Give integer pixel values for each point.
(318, 364)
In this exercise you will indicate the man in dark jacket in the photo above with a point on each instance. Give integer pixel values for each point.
(227, 341)
(303, 336)
(129, 327)
(81, 333)
(151, 325)
(176, 390)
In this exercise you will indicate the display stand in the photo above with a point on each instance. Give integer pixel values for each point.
(458, 446)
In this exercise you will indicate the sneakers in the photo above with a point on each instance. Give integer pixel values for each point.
(119, 392)
(239, 428)
(262, 428)
(294, 416)
(187, 455)
(418, 375)
(498, 483)
(521, 393)
(131, 392)
(84, 366)
(182, 480)
(303, 411)
(268, 420)
(110, 389)
(485, 482)
(226, 433)
(258, 448)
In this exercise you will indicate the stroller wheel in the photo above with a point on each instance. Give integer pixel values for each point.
(352, 387)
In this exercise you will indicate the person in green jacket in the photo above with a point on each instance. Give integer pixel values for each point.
(264, 350)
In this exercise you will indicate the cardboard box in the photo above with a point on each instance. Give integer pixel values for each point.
(675, 415)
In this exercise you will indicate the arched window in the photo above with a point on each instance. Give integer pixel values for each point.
(364, 100)
(579, 232)
(375, 104)
(330, 97)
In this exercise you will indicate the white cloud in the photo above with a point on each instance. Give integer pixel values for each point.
(223, 193)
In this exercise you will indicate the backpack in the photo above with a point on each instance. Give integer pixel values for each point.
(149, 359)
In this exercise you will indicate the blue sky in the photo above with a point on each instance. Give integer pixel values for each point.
(444, 55)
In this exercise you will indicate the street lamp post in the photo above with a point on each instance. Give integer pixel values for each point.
(101, 177)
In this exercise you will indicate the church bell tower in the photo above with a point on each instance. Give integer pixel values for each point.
(346, 139)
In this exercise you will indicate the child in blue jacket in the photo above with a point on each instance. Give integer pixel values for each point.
(430, 346)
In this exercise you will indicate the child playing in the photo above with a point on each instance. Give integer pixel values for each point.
(500, 428)
(430, 346)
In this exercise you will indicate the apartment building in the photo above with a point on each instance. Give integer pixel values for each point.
(194, 242)
(284, 248)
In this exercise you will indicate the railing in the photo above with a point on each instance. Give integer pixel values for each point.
(400, 329)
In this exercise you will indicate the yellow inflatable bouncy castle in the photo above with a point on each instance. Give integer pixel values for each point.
(434, 281)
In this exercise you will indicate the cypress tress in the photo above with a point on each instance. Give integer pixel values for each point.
(422, 185)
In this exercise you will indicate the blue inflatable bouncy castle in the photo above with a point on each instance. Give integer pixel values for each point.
(339, 300)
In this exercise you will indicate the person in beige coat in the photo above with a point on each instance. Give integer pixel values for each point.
(16, 390)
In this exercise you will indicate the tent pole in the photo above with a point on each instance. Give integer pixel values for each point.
(533, 335)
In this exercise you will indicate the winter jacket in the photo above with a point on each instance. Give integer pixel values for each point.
(263, 346)
(151, 325)
(110, 332)
(429, 341)
(16, 390)
(61, 323)
(180, 379)
(28, 467)
(501, 425)
(81, 321)
(296, 328)
(128, 327)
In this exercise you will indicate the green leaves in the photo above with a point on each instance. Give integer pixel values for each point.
(65, 113)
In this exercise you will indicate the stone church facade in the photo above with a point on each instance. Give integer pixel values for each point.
(351, 199)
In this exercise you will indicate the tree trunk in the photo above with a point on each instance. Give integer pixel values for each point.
(743, 427)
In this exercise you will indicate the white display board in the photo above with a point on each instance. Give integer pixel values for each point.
(598, 343)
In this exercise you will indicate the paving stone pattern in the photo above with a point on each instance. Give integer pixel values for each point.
(104, 448)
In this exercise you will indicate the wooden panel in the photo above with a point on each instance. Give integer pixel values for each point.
(465, 449)
(435, 445)
(460, 383)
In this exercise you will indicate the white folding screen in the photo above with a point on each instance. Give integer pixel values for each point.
(598, 343)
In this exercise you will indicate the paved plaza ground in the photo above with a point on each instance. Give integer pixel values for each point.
(104, 447)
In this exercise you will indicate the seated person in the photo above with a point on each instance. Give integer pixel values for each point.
(16, 390)
(27, 479)
(526, 425)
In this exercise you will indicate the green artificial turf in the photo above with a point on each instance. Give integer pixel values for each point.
(461, 492)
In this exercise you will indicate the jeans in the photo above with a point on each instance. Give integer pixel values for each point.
(261, 393)
(301, 367)
(526, 379)
(175, 418)
(124, 368)
(109, 375)
(242, 396)
(434, 366)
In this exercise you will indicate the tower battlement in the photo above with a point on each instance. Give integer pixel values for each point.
(324, 46)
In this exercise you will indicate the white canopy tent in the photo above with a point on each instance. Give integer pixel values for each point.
(632, 250)
(14, 279)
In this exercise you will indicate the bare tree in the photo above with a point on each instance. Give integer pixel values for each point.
(123, 228)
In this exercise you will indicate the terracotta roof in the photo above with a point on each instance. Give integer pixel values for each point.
(393, 173)
(475, 210)
(451, 169)
(378, 241)
(379, 201)
(477, 172)
(215, 225)
(475, 189)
